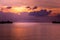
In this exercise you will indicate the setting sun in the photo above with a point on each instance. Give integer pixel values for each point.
(19, 9)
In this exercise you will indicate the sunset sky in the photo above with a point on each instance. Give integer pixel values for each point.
(54, 5)
(43, 3)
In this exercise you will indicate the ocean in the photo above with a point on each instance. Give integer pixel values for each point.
(30, 31)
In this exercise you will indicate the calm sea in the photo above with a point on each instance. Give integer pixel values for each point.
(30, 31)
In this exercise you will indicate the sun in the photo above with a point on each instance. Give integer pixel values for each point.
(18, 10)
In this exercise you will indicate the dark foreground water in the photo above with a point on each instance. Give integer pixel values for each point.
(30, 31)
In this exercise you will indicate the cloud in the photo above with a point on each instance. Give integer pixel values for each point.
(18, 10)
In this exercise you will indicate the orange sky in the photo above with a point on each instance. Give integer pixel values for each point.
(53, 5)
(20, 9)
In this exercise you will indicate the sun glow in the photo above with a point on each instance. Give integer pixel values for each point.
(18, 10)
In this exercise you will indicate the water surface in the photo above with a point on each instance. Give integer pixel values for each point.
(30, 31)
